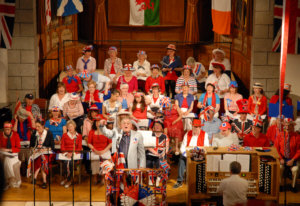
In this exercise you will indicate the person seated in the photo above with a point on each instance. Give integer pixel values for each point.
(113, 65)
(73, 110)
(231, 98)
(56, 125)
(257, 101)
(139, 110)
(242, 126)
(195, 137)
(153, 100)
(209, 98)
(125, 98)
(256, 138)
(112, 106)
(225, 138)
(172, 66)
(155, 78)
(274, 130)
(31, 107)
(131, 144)
(42, 142)
(72, 82)
(185, 101)
(60, 97)
(92, 96)
(142, 69)
(71, 143)
(22, 126)
(219, 57)
(234, 188)
(10, 145)
(288, 148)
(86, 62)
(199, 73)
(211, 123)
(186, 78)
(93, 111)
(128, 78)
(100, 145)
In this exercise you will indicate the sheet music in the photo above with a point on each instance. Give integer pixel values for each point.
(143, 123)
(62, 156)
(94, 156)
(224, 165)
(24, 143)
(212, 162)
(149, 140)
(244, 160)
(38, 153)
(9, 154)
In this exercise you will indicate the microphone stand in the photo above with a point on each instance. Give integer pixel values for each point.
(285, 168)
(49, 179)
(33, 173)
(72, 159)
(90, 178)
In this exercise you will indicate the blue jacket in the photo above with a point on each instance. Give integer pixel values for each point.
(189, 98)
(175, 64)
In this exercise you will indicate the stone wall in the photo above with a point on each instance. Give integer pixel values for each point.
(23, 56)
(264, 63)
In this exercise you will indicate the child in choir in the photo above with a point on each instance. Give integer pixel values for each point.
(139, 109)
(152, 100)
(72, 82)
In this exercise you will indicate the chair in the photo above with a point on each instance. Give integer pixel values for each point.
(43, 105)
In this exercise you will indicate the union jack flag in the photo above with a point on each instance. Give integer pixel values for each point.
(7, 18)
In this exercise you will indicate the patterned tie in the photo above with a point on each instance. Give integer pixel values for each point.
(85, 63)
(287, 146)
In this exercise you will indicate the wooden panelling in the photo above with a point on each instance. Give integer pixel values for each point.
(118, 12)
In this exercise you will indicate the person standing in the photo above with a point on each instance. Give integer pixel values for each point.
(86, 62)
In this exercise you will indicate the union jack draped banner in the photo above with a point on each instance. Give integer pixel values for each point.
(7, 18)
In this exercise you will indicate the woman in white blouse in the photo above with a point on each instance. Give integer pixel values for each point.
(142, 69)
(219, 57)
(153, 100)
(60, 97)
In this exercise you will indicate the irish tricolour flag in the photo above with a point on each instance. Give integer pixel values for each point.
(144, 12)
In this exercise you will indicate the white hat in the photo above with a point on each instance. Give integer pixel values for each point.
(74, 96)
(218, 50)
(123, 111)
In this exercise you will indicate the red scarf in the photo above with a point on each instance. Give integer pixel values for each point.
(213, 100)
(96, 96)
(200, 140)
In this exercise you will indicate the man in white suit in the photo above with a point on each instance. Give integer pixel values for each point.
(127, 141)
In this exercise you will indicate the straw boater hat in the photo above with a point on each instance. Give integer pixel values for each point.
(171, 47)
(22, 113)
(123, 112)
(128, 67)
(219, 50)
(257, 85)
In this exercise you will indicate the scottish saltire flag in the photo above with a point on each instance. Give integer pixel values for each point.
(144, 12)
(69, 7)
(7, 19)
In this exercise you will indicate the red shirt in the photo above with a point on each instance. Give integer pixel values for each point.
(261, 103)
(133, 83)
(67, 143)
(159, 80)
(171, 75)
(294, 145)
(96, 96)
(275, 98)
(137, 113)
(251, 141)
(99, 142)
(184, 103)
(73, 86)
(14, 139)
(112, 69)
(273, 133)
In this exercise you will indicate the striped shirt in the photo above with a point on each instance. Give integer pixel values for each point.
(192, 83)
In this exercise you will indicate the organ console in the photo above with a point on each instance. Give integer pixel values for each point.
(261, 170)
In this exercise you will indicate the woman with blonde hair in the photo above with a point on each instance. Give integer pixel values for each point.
(142, 69)
(60, 97)
(113, 65)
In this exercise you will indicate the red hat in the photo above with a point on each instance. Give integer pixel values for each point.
(218, 65)
(155, 85)
(93, 107)
(187, 67)
(138, 94)
(243, 106)
(225, 126)
(98, 117)
(87, 48)
(257, 121)
(128, 67)
(7, 125)
(197, 123)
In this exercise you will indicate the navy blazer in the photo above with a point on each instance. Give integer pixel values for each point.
(189, 98)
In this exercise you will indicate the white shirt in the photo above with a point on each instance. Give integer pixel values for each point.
(297, 126)
(152, 103)
(54, 101)
(234, 190)
(225, 62)
(202, 70)
(100, 81)
(221, 141)
(91, 65)
(193, 143)
(220, 83)
(146, 69)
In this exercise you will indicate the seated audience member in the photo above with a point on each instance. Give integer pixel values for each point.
(22, 125)
(139, 108)
(112, 106)
(153, 100)
(128, 78)
(234, 188)
(198, 71)
(288, 147)
(86, 62)
(10, 144)
(257, 101)
(221, 82)
(186, 78)
(173, 122)
(93, 111)
(113, 65)
(100, 146)
(256, 138)
(231, 98)
(225, 138)
(185, 101)
(172, 67)
(242, 126)
(131, 144)
(194, 137)
(31, 107)
(142, 69)
(219, 57)
(125, 98)
(273, 131)
(92, 96)
(102, 83)
(155, 78)
(56, 125)
(209, 98)
(68, 140)
(211, 123)
(73, 110)
(60, 97)
(43, 142)
(72, 82)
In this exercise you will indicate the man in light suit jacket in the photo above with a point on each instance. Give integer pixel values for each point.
(127, 141)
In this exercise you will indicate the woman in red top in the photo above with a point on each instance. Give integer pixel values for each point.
(139, 110)
(100, 145)
(67, 146)
(129, 79)
(92, 95)
(10, 144)
(72, 82)
(258, 101)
